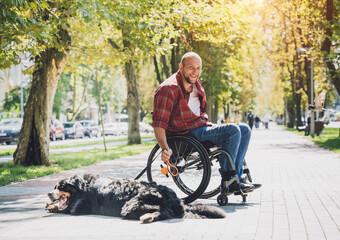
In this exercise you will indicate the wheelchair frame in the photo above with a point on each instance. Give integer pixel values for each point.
(194, 161)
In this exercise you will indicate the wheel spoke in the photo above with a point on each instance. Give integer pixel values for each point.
(194, 168)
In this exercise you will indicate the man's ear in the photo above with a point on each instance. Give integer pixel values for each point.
(180, 67)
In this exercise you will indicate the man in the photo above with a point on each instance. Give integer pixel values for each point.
(180, 108)
(251, 119)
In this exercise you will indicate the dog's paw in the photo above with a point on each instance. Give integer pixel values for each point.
(51, 207)
(147, 218)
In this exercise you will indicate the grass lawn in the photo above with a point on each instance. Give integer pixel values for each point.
(7, 152)
(329, 138)
(61, 162)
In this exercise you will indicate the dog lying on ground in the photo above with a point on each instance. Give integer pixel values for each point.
(147, 202)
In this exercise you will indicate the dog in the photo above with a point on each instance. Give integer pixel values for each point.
(147, 202)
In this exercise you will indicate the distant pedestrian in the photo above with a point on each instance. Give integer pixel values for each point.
(257, 122)
(307, 129)
(266, 122)
(250, 119)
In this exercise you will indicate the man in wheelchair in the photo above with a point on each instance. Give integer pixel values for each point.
(180, 108)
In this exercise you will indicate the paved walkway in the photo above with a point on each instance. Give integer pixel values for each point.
(299, 199)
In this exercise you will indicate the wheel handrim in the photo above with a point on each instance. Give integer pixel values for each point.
(191, 182)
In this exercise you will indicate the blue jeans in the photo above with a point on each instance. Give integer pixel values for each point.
(234, 138)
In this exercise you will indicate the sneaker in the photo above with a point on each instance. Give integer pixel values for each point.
(244, 187)
(256, 185)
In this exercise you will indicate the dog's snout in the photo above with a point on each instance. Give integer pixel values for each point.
(52, 195)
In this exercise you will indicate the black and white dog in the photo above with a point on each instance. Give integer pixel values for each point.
(147, 202)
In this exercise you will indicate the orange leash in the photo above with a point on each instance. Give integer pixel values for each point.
(169, 168)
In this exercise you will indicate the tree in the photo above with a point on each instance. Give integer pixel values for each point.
(143, 26)
(38, 28)
(332, 33)
(33, 143)
(294, 25)
(216, 30)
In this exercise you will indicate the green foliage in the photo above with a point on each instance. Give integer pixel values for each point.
(14, 23)
(215, 81)
(30, 27)
(300, 24)
(242, 44)
(11, 103)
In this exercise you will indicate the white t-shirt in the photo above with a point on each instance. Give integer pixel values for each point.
(194, 102)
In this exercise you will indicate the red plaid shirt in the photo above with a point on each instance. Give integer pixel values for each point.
(171, 110)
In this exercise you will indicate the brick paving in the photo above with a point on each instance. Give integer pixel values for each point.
(299, 199)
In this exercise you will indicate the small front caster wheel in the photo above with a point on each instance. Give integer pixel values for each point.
(222, 200)
(244, 198)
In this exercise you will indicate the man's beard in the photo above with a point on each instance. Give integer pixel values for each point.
(187, 79)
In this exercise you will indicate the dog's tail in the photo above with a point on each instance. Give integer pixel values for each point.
(202, 211)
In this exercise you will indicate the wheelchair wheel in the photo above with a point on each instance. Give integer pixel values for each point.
(192, 163)
(215, 181)
(222, 200)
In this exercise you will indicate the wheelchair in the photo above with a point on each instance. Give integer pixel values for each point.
(196, 165)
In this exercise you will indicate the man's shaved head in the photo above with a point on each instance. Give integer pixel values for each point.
(190, 55)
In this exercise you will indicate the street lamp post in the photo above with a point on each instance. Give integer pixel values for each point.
(312, 123)
(311, 104)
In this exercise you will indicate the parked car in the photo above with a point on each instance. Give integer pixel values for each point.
(123, 127)
(9, 130)
(111, 129)
(57, 130)
(91, 128)
(144, 127)
(74, 130)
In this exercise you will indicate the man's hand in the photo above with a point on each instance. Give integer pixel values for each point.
(166, 154)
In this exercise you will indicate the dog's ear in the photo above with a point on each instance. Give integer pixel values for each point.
(77, 182)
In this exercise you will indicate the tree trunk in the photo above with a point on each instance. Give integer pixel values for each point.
(327, 44)
(308, 78)
(209, 109)
(297, 94)
(212, 110)
(165, 67)
(297, 100)
(142, 114)
(33, 143)
(175, 58)
(227, 113)
(76, 111)
(159, 79)
(290, 113)
(133, 105)
(74, 96)
(99, 102)
(215, 112)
